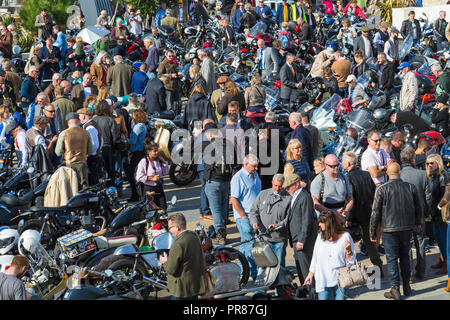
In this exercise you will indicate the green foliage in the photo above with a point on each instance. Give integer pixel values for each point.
(149, 7)
(32, 8)
(7, 19)
(25, 40)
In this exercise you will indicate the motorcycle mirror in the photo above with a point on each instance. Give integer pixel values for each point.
(173, 200)
(30, 170)
(108, 272)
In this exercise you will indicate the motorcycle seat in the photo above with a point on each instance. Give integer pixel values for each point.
(113, 242)
(48, 209)
(13, 200)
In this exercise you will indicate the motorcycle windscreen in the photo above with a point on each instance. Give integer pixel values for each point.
(322, 118)
(258, 28)
(361, 120)
(272, 98)
(406, 46)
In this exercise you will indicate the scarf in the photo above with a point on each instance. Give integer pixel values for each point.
(174, 60)
(285, 13)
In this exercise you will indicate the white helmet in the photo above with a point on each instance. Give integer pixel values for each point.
(29, 242)
(8, 239)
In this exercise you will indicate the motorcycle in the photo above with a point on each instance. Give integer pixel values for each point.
(270, 274)
(91, 210)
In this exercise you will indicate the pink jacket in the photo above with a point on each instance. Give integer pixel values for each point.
(154, 168)
(358, 11)
(328, 6)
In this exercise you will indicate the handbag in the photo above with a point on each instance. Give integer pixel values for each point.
(352, 276)
(445, 211)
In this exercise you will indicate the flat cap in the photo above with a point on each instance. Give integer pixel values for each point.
(290, 179)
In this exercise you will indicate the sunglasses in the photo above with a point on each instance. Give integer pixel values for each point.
(51, 111)
(376, 141)
(333, 165)
(429, 163)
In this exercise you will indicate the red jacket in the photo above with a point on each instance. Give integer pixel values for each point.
(358, 11)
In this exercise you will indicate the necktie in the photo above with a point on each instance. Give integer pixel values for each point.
(292, 69)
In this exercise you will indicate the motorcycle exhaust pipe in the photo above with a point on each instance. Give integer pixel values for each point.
(104, 221)
(157, 283)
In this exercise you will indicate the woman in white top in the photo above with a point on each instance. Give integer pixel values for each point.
(333, 249)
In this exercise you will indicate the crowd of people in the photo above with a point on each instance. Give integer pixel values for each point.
(393, 196)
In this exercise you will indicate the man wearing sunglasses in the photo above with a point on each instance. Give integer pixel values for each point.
(375, 159)
(331, 191)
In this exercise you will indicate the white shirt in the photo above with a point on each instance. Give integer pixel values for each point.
(294, 196)
(94, 137)
(367, 46)
(327, 258)
(21, 145)
(135, 27)
(372, 158)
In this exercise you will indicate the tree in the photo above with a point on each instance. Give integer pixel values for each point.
(32, 8)
(150, 7)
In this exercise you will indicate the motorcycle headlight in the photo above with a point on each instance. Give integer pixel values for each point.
(111, 193)
(345, 51)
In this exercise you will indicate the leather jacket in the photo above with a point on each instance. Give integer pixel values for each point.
(363, 190)
(396, 207)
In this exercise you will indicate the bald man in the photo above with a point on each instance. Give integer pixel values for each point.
(398, 210)
(331, 191)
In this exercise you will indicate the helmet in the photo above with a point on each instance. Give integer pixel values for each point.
(16, 49)
(111, 193)
(380, 114)
(8, 239)
(29, 241)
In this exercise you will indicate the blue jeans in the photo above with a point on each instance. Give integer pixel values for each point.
(440, 233)
(448, 253)
(441, 43)
(280, 251)
(204, 205)
(397, 246)
(343, 92)
(218, 194)
(329, 291)
(246, 231)
(120, 51)
(19, 157)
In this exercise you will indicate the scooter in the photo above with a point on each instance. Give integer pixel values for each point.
(270, 274)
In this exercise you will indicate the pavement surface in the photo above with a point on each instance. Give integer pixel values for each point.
(431, 288)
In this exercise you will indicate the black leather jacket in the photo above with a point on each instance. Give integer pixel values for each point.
(396, 207)
(363, 190)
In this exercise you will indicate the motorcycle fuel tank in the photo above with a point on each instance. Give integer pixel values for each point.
(126, 218)
(83, 200)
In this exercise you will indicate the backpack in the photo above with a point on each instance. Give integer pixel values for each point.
(284, 40)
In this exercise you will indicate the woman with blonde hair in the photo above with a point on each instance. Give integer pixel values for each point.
(137, 152)
(319, 165)
(231, 93)
(90, 102)
(34, 60)
(437, 180)
(198, 108)
(255, 98)
(296, 163)
(99, 68)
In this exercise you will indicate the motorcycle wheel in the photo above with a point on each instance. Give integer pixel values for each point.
(190, 43)
(243, 262)
(182, 175)
(126, 265)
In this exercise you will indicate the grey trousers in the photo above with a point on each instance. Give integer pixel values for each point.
(171, 97)
(419, 241)
(371, 247)
(302, 262)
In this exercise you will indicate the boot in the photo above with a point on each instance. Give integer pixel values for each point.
(448, 285)
(443, 270)
(394, 293)
(220, 239)
(440, 264)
